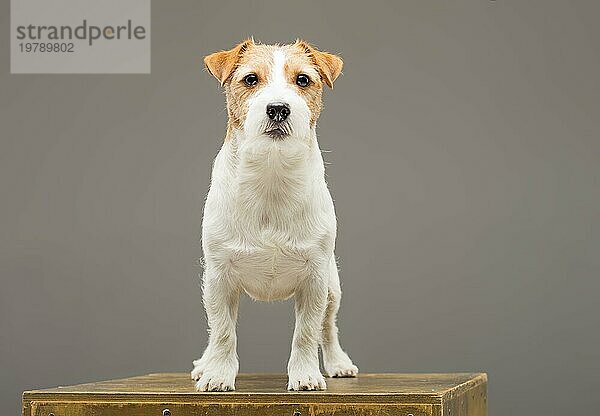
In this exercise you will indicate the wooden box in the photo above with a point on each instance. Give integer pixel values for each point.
(173, 394)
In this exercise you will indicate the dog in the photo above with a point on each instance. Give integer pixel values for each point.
(269, 224)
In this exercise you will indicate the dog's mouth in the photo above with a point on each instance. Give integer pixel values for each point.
(277, 131)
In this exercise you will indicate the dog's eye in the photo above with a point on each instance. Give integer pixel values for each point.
(302, 80)
(251, 80)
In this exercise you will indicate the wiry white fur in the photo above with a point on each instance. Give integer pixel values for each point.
(269, 230)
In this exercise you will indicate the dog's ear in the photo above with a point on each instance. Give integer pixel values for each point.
(328, 64)
(222, 64)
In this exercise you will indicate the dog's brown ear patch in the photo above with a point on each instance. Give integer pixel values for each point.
(222, 64)
(328, 64)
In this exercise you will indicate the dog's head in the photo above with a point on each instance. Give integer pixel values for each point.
(274, 91)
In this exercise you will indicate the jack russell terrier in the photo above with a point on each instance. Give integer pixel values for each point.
(269, 224)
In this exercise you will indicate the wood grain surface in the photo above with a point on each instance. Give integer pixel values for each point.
(454, 394)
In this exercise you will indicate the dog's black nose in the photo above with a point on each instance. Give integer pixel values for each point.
(278, 111)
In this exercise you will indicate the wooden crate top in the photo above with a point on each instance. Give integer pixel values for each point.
(270, 388)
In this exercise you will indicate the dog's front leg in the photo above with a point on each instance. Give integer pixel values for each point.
(218, 367)
(303, 366)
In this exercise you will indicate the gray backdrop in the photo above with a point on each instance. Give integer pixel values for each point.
(464, 163)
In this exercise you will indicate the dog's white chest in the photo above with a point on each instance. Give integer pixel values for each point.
(268, 220)
(269, 272)
(269, 263)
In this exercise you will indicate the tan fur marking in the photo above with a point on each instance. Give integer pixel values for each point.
(222, 64)
(329, 65)
(258, 59)
(300, 62)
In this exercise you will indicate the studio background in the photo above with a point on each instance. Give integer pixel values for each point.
(463, 156)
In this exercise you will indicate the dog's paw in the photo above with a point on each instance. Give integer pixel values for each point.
(306, 380)
(197, 372)
(211, 380)
(199, 366)
(339, 365)
(342, 370)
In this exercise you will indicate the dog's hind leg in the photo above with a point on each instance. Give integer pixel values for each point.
(218, 367)
(335, 360)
